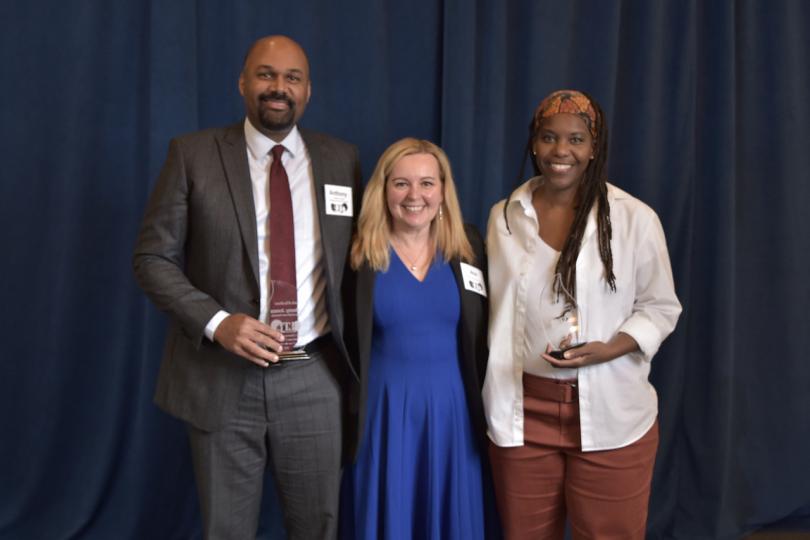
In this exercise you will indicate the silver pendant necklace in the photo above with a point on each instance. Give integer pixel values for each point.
(413, 266)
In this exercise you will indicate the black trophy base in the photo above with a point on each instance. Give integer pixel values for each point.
(559, 353)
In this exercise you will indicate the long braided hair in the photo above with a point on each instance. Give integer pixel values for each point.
(592, 190)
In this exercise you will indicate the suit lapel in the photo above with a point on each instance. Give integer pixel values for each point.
(456, 266)
(233, 152)
(319, 171)
(320, 177)
(465, 308)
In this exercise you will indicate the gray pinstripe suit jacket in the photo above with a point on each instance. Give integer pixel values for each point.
(197, 253)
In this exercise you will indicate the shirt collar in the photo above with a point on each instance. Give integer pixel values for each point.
(260, 144)
(522, 196)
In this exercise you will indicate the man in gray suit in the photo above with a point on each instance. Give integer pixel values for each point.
(253, 394)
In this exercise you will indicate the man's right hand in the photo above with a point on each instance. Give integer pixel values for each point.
(249, 338)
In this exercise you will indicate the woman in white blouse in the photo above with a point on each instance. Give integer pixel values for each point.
(574, 437)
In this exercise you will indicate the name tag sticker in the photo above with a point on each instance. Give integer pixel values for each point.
(338, 200)
(473, 279)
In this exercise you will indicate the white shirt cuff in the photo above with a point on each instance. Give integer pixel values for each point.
(212, 325)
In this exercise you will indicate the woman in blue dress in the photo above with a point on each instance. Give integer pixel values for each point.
(416, 328)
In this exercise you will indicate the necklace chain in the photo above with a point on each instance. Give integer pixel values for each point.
(412, 265)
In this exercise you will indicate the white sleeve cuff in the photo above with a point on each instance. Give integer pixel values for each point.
(212, 325)
(646, 334)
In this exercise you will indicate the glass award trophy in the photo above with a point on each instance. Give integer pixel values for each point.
(562, 325)
(283, 314)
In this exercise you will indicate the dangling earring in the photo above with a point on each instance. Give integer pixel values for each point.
(441, 213)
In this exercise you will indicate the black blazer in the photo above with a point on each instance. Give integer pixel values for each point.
(471, 334)
(197, 253)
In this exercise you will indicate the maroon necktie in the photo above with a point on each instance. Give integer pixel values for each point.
(284, 290)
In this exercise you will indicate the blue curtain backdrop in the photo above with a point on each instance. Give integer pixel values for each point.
(708, 107)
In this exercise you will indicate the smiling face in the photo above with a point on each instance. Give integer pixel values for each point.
(275, 85)
(414, 192)
(563, 149)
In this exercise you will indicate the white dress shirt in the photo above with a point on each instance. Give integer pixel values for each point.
(312, 316)
(617, 403)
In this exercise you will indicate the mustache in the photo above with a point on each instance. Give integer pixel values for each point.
(274, 95)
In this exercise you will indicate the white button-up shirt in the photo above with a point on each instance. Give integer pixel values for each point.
(617, 403)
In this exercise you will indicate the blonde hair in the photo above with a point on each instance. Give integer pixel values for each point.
(371, 241)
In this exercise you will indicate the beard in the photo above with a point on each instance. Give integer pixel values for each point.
(276, 120)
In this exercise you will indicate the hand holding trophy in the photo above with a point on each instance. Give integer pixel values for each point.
(563, 326)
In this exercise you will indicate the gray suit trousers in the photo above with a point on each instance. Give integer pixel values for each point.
(289, 419)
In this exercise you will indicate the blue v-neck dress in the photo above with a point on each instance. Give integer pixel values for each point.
(418, 471)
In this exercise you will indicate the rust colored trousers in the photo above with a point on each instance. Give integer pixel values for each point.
(603, 494)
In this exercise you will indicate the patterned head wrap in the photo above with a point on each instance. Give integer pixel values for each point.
(567, 101)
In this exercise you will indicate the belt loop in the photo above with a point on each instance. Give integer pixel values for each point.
(570, 392)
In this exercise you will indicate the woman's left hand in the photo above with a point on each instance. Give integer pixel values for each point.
(593, 352)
